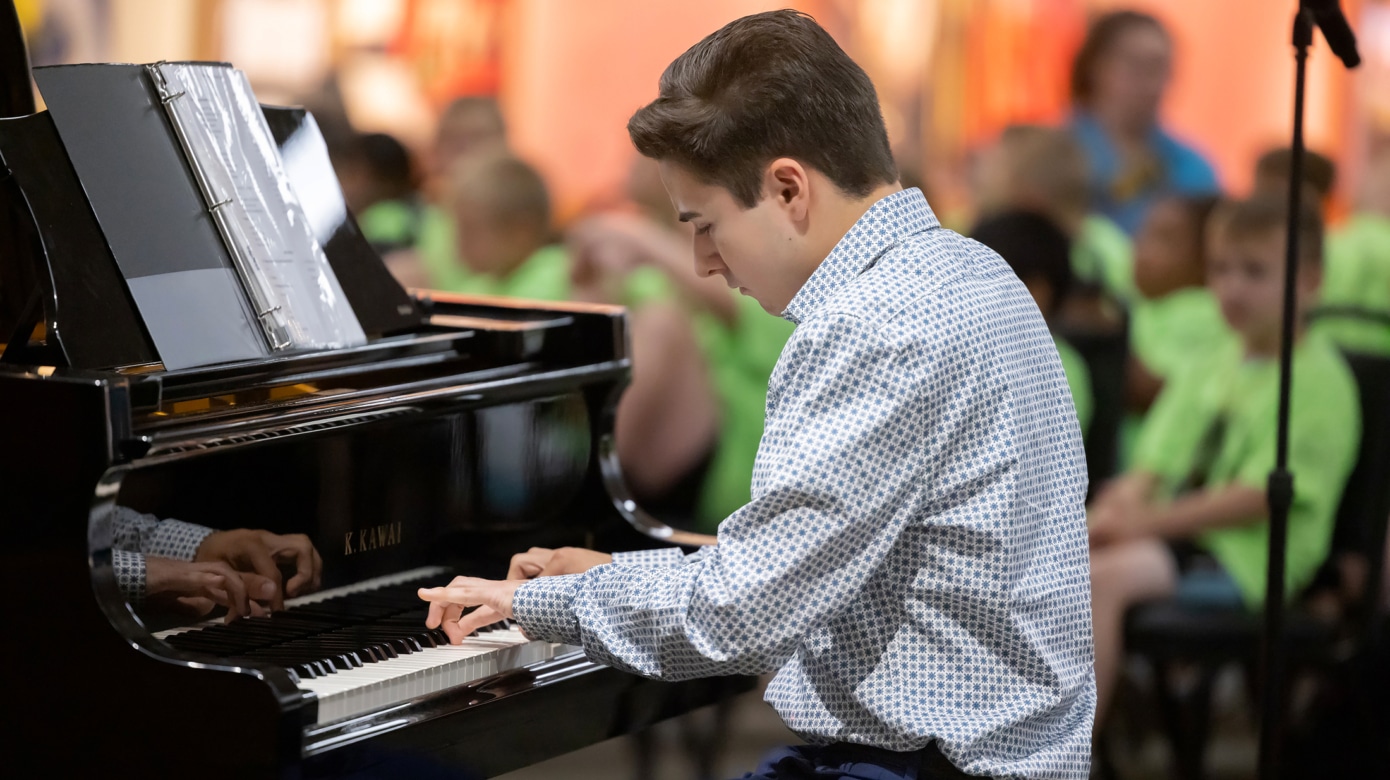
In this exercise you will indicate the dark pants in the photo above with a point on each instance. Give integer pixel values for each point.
(842, 761)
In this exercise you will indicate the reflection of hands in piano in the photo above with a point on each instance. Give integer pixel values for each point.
(198, 587)
(262, 552)
(544, 562)
(492, 598)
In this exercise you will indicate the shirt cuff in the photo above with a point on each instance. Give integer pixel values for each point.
(130, 574)
(545, 608)
(663, 556)
(177, 539)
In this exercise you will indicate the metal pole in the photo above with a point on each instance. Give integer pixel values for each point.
(1280, 488)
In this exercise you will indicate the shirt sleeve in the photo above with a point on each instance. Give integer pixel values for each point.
(665, 556)
(141, 533)
(130, 574)
(831, 493)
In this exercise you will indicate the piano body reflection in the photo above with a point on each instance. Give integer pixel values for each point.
(463, 431)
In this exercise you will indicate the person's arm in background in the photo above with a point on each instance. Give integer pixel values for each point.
(616, 242)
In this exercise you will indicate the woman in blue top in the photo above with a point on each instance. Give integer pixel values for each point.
(1117, 84)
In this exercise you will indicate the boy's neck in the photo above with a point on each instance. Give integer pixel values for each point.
(841, 214)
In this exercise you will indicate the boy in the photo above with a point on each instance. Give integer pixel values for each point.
(1176, 321)
(1203, 456)
(913, 559)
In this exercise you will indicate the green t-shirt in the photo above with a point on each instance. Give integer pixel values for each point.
(392, 223)
(438, 253)
(1217, 421)
(741, 358)
(1356, 274)
(1078, 381)
(1178, 330)
(1103, 255)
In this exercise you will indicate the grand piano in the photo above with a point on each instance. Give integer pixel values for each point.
(462, 431)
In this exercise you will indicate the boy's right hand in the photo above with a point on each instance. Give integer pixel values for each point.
(198, 587)
(544, 562)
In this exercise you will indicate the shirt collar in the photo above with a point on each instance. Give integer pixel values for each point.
(886, 223)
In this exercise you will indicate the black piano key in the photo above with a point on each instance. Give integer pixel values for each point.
(322, 638)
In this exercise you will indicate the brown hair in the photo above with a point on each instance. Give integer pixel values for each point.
(766, 86)
(505, 187)
(1319, 172)
(1048, 163)
(476, 112)
(1254, 217)
(1101, 38)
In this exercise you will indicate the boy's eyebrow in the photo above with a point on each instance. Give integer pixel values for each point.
(686, 216)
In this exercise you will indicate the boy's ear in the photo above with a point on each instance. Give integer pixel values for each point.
(786, 182)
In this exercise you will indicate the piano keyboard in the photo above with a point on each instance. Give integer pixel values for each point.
(365, 646)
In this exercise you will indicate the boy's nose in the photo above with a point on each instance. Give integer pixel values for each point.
(708, 263)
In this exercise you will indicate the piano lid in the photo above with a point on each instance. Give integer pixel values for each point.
(59, 278)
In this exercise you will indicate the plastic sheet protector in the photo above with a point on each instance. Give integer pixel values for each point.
(289, 283)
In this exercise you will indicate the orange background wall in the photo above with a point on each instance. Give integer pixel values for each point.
(575, 71)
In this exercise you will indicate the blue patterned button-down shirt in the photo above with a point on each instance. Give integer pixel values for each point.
(913, 563)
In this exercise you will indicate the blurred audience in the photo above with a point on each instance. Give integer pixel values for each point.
(1176, 321)
(1044, 170)
(1039, 252)
(1189, 519)
(1355, 307)
(468, 125)
(379, 184)
(738, 341)
(668, 418)
(1274, 167)
(1118, 80)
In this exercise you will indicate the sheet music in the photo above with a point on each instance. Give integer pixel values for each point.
(288, 280)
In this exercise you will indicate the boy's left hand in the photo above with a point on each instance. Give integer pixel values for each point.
(492, 598)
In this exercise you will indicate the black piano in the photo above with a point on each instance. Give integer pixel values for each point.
(463, 431)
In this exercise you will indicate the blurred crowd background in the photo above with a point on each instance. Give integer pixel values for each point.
(952, 73)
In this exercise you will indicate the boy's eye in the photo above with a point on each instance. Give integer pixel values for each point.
(700, 231)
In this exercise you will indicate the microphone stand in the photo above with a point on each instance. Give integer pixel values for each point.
(1327, 14)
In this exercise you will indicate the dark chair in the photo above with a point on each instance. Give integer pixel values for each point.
(1175, 637)
(1105, 353)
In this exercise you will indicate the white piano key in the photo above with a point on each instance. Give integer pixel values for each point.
(372, 686)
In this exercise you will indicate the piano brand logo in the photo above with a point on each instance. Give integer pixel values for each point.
(374, 538)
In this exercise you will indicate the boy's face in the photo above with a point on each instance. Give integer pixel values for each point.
(757, 250)
(486, 244)
(1246, 275)
(1165, 251)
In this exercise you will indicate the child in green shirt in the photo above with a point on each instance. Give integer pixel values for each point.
(1176, 320)
(1356, 288)
(668, 418)
(1191, 511)
(1355, 301)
